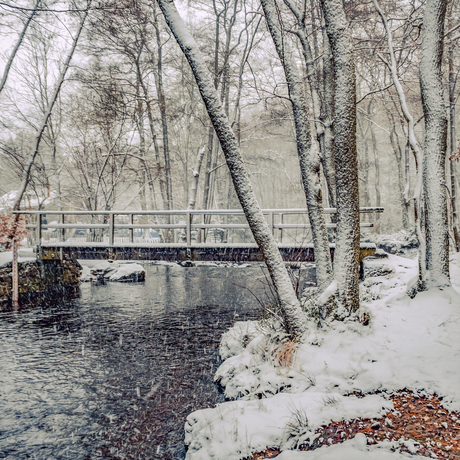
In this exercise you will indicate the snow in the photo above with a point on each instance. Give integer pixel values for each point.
(354, 449)
(7, 200)
(409, 343)
(24, 255)
(126, 271)
(112, 271)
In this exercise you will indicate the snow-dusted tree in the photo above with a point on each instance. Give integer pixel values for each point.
(346, 258)
(18, 44)
(435, 145)
(308, 152)
(295, 320)
(412, 140)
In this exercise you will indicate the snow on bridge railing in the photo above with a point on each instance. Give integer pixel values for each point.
(137, 230)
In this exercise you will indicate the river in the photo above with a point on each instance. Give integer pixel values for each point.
(111, 371)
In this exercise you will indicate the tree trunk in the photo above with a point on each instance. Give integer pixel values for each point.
(346, 258)
(453, 144)
(308, 154)
(196, 178)
(164, 121)
(418, 202)
(18, 44)
(294, 318)
(435, 144)
(377, 169)
(401, 182)
(327, 117)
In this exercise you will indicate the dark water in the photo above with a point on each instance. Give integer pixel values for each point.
(112, 371)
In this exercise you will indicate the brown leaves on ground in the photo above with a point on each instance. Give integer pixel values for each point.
(415, 417)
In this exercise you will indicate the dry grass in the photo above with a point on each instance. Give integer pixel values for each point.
(283, 353)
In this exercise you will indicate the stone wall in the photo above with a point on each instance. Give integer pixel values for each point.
(39, 277)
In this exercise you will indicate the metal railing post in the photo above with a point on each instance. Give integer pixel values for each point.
(270, 222)
(61, 233)
(38, 229)
(111, 228)
(281, 229)
(189, 228)
(202, 231)
(131, 230)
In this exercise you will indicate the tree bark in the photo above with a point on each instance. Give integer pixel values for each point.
(326, 147)
(435, 144)
(346, 258)
(453, 143)
(327, 117)
(294, 317)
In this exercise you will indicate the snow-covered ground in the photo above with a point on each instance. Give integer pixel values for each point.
(409, 343)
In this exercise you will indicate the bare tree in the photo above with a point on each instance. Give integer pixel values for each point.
(18, 44)
(295, 320)
(346, 258)
(41, 130)
(308, 153)
(418, 198)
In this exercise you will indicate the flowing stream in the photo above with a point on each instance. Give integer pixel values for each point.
(112, 370)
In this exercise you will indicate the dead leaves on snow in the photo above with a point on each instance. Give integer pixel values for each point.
(415, 417)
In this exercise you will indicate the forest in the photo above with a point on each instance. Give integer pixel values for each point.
(137, 105)
(328, 104)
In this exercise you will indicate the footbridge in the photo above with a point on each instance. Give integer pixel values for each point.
(175, 235)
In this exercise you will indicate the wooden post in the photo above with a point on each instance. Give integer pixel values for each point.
(15, 273)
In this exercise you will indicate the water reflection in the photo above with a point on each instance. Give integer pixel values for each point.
(113, 370)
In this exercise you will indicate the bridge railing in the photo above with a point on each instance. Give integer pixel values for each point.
(187, 230)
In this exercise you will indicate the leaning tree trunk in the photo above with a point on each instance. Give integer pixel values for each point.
(18, 44)
(295, 319)
(346, 259)
(308, 155)
(435, 145)
(314, 82)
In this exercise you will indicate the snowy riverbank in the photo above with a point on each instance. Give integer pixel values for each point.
(409, 343)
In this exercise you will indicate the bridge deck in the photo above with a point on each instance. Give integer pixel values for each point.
(178, 252)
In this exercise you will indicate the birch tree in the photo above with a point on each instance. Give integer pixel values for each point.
(294, 318)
